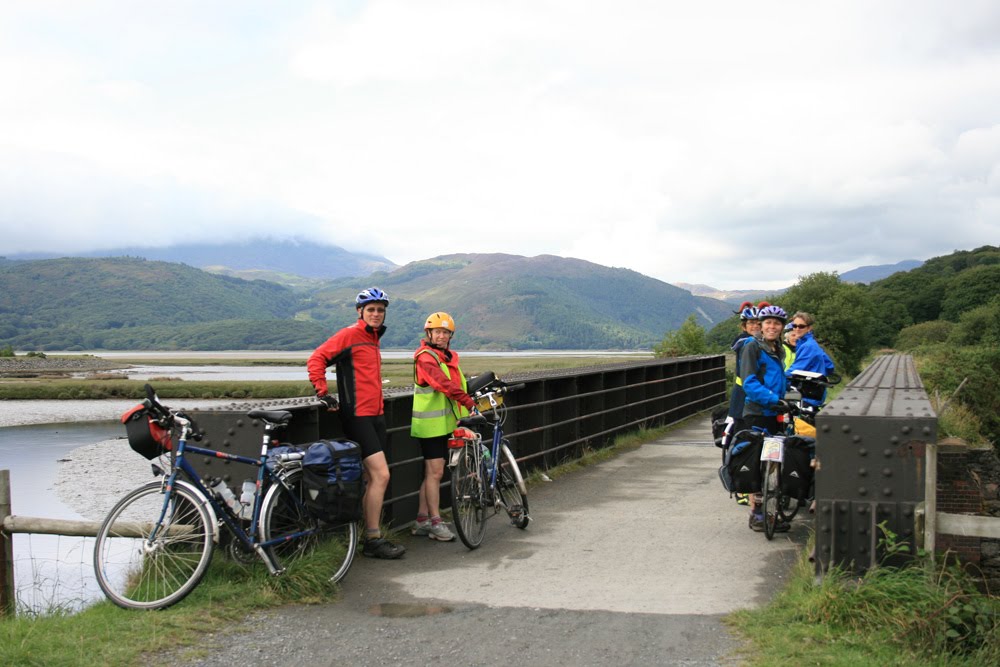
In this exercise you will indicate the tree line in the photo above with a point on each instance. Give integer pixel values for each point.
(945, 313)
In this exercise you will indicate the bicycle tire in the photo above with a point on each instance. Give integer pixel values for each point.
(137, 574)
(788, 507)
(283, 514)
(513, 493)
(467, 506)
(770, 498)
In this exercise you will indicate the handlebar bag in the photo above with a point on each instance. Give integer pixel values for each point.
(332, 483)
(145, 435)
(810, 385)
(480, 381)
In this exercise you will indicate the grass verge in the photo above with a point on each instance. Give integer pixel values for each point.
(916, 615)
(104, 634)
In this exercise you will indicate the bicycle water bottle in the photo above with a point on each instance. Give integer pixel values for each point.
(223, 491)
(246, 499)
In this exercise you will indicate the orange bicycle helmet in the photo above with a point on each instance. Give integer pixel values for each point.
(440, 321)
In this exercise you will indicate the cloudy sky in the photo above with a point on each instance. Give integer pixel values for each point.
(736, 144)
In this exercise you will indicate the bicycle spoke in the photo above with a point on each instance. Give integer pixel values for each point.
(139, 571)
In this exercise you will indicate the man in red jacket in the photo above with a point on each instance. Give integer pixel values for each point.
(355, 352)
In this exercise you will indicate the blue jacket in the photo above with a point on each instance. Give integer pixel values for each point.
(809, 356)
(763, 375)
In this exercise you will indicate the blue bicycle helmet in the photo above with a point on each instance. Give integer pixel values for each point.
(371, 295)
(748, 313)
(776, 312)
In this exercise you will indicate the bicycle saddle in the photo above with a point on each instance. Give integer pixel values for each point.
(473, 420)
(271, 416)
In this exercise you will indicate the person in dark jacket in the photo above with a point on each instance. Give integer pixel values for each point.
(358, 358)
(749, 327)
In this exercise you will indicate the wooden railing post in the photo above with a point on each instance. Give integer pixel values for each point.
(7, 597)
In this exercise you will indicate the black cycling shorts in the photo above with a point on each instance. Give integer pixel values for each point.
(434, 448)
(369, 432)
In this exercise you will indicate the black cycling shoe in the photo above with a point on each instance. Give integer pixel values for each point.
(382, 548)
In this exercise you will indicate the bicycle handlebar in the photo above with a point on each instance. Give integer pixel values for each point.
(495, 386)
(168, 415)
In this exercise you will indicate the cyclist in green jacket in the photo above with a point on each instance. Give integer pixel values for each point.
(439, 401)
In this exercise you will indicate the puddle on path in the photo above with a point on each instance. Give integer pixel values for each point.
(400, 610)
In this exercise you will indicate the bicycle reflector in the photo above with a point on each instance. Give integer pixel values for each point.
(459, 437)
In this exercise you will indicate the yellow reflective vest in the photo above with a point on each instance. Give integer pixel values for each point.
(789, 355)
(434, 414)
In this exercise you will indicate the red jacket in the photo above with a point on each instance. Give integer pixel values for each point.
(355, 351)
(428, 373)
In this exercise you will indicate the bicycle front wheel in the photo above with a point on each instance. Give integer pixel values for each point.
(284, 517)
(154, 547)
(770, 498)
(788, 507)
(513, 493)
(466, 499)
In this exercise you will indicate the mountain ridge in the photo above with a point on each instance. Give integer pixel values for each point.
(500, 301)
(296, 258)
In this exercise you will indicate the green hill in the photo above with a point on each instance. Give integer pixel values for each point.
(512, 302)
(500, 302)
(80, 303)
(942, 288)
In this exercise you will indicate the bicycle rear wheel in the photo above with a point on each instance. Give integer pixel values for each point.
(513, 493)
(284, 515)
(770, 498)
(467, 498)
(139, 571)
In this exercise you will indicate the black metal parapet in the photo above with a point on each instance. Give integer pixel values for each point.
(870, 448)
(554, 418)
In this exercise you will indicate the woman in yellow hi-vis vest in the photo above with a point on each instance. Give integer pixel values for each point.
(439, 401)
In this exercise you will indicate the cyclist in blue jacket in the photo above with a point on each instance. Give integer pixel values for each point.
(809, 356)
(749, 327)
(763, 373)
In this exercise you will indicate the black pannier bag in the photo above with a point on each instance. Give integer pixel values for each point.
(796, 469)
(740, 471)
(145, 435)
(332, 483)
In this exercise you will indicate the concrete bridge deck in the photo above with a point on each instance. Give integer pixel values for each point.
(633, 561)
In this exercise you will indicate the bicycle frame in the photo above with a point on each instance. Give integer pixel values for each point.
(495, 450)
(249, 538)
